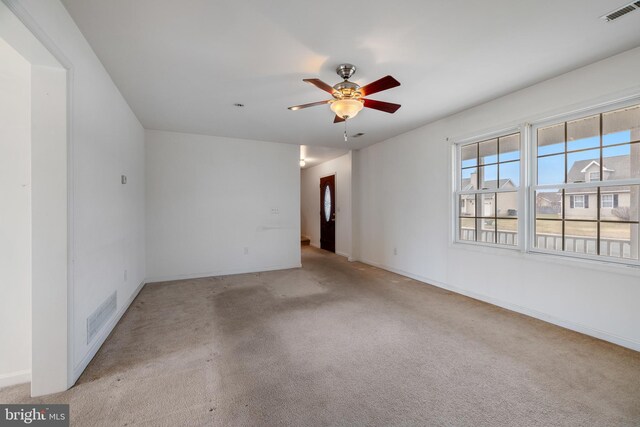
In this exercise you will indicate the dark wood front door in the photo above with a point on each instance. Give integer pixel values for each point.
(328, 213)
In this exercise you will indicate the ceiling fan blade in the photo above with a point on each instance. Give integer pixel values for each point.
(338, 119)
(379, 85)
(312, 104)
(387, 107)
(320, 85)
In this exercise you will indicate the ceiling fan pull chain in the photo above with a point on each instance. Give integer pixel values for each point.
(345, 130)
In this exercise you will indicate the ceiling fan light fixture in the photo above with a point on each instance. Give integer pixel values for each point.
(346, 108)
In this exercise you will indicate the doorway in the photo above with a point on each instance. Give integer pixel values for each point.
(328, 213)
(36, 156)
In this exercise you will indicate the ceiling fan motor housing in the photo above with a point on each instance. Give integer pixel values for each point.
(346, 70)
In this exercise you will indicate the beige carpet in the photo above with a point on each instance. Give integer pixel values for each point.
(338, 343)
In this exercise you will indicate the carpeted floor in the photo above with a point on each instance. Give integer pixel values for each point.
(339, 343)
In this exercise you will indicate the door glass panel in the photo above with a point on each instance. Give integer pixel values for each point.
(327, 203)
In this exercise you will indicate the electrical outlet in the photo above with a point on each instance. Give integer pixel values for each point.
(246, 251)
(395, 251)
(275, 211)
(125, 275)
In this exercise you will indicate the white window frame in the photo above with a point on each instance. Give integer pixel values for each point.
(532, 180)
(575, 201)
(608, 197)
(521, 190)
(591, 174)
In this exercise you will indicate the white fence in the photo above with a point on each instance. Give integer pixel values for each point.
(619, 248)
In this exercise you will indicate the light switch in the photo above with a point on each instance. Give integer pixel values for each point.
(123, 179)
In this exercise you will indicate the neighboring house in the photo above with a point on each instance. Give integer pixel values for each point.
(583, 203)
(549, 203)
(507, 204)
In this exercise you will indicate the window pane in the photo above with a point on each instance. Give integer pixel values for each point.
(487, 205)
(551, 169)
(467, 229)
(507, 230)
(581, 203)
(581, 164)
(549, 204)
(619, 240)
(583, 133)
(551, 139)
(489, 151)
(580, 236)
(469, 179)
(624, 203)
(488, 177)
(549, 235)
(509, 174)
(621, 126)
(486, 230)
(469, 155)
(606, 201)
(507, 204)
(510, 147)
(468, 205)
(621, 162)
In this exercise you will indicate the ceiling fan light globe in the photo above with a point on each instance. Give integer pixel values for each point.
(346, 108)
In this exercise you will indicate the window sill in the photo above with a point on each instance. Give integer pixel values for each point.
(566, 260)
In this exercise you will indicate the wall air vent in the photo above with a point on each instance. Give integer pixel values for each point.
(99, 318)
(621, 11)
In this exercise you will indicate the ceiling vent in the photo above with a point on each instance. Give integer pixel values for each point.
(621, 11)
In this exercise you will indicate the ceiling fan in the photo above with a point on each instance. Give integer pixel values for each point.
(349, 98)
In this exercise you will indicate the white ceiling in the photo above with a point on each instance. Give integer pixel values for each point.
(182, 65)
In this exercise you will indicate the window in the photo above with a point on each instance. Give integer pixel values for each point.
(587, 188)
(578, 202)
(607, 200)
(583, 178)
(487, 190)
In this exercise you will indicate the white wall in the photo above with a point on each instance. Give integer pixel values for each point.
(310, 198)
(404, 200)
(15, 217)
(209, 198)
(106, 218)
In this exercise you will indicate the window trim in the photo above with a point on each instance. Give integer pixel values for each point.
(532, 179)
(521, 193)
(602, 197)
(575, 199)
